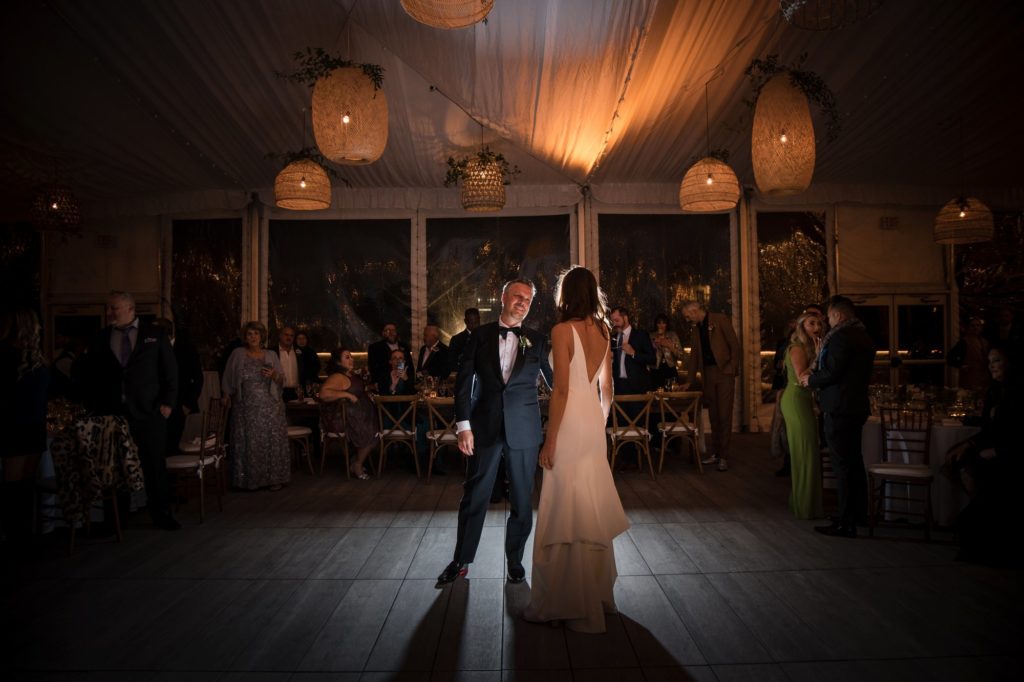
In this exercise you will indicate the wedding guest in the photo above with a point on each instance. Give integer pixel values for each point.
(309, 367)
(715, 354)
(190, 383)
(433, 357)
(458, 343)
(289, 357)
(970, 356)
(667, 349)
(797, 406)
(360, 417)
(260, 453)
(632, 354)
(379, 355)
(841, 377)
(129, 370)
(24, 378)
(989, 465)
(334, 362)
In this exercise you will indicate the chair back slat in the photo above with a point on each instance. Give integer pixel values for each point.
(441, 415)
(389, 420)
(906, 435)
(622, 421)
(680, 408)
(328, 410)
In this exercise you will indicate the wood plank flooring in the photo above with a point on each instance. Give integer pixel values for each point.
(333, 579)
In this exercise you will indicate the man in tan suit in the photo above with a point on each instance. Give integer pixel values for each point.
(715, 355)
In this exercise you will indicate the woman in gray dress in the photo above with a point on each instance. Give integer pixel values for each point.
(260, 455)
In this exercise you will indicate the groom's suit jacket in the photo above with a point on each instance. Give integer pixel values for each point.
(495, 408)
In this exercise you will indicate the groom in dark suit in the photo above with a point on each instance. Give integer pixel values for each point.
(499, 418)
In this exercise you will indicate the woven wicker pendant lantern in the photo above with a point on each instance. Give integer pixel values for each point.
(350, 117)
(303, 185)
(782, 140)
(448, 13)
(483, 188)
(964, 220)
(709, 185)
(54, 207)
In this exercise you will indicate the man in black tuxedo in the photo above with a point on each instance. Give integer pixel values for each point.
(457, 346)
(130, 370)
(433, 359)
(632, 353)
(498, 418)
(378, 356)
(190, 383)
(841, 375)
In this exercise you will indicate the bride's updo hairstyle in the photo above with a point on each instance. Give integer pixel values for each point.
(578, 297)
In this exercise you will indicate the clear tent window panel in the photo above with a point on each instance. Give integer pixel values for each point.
(206, 286)
(651, 264)
(341, 280)
(469, 259)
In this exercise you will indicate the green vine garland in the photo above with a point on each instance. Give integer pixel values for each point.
(457, 168)
(311, 154)
(760, 71)
(315, 63)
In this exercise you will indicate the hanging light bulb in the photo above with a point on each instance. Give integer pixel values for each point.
(345, 118)
(710, 180)
(54, 206)
(782, 138)
(963, 213)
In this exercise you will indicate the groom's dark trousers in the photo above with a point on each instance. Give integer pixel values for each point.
(521, 465)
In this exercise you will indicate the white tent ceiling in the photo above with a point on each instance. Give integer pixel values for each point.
(140, 101)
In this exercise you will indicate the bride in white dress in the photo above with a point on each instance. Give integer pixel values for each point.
(580, 512)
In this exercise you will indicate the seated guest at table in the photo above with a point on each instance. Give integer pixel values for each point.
(433, 357)
(970, 356)
(260, 452)
(458, 343)
(399, 380)
(989, 465)
(23, 386)
(129, 370)
(801, 424)
(360, 417)
(289, 356)
(667, 350)
(190, 384)
(379, 355)
(309, 362)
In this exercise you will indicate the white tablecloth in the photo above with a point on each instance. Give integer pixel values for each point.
(947, 497)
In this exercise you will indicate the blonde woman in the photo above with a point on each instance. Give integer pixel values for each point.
(801, 424)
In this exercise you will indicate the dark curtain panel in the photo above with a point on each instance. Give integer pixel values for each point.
(341, 280)
(651, 264)
(793, 272)
(206, 288)
(469, 259)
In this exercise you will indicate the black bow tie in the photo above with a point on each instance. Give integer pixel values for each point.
(503, 331)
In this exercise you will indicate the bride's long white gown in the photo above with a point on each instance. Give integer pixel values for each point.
(579, 516)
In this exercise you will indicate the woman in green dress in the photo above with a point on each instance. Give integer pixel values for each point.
(801, 423)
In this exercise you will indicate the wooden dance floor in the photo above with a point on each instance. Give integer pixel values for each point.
(332, 579)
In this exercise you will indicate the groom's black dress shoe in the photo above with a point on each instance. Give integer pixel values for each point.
(837, 530)
(451, 572)
(516, 573)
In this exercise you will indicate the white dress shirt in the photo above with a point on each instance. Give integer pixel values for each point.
(623, 340)
(507, 349)
(290, 365)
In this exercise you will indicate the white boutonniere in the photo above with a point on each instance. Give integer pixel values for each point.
(524, 343)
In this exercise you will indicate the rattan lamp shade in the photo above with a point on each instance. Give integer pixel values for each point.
(54, 207)
(348, 92)
(303, 185)
(483, 189)
(975, 225)
(447, 13)
(699, 195)
(782, 141)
